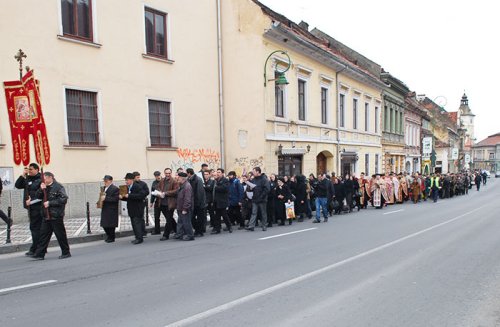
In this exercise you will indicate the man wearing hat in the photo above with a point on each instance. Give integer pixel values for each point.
(135, 206)
(155, 201)
(54, 199)
(184, 209)
(109, 212)
(145, 187)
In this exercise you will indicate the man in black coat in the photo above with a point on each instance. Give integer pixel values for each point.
(54, 198)
(221, 202)
(30, 181)
(155, 202)
(109, 210)
(145, 187)
(199, 216)
(208, 185)
(261, 191)
(135, 206)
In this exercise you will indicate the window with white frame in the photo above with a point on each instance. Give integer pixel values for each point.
(367, 117)
(355, 113)
(367, 164)
(82, 117)
(160, 123)
(76, 16)
(324, 104)
(156, 32)
(377, 113)
(342, 110)
(302, 99)
(279, 99)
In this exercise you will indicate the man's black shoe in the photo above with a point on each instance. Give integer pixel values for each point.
(137, 242)
(36, 257)
(250, 229)
(187, 238)
(164, 238)
(109, 241)
(29, 254)
(65, 256)
(215, 232)
(315, 221)
(155, 233)
(230, 230)
(264, 229)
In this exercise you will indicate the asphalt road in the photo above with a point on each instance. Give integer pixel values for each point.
(406, 265)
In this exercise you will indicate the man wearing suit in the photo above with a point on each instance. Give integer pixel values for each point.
(109, 212)
(135, 206)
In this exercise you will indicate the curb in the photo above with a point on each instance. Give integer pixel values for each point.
(12, 248)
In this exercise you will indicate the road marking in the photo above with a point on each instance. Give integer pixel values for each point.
(293, 281)
(4, 290)
(388, 213)
(279, 235)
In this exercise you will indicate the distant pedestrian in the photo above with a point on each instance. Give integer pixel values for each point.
(145, 187)
(478, 181)
(198, 211)
(54, 199)
(221, 202)
(109, 210)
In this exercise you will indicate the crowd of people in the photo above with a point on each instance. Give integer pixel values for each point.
(242, 202)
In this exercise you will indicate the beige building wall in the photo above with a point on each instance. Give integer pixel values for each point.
(114, 66)
(253, 131)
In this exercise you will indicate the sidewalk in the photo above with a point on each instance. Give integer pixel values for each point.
(76, 229)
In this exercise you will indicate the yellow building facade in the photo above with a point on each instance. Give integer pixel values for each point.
(327, 119)
(157, 84)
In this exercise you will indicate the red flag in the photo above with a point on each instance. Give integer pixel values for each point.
(38, 129)
(20, 120)
(25, 118)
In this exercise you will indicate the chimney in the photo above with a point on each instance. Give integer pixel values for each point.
(304, 25)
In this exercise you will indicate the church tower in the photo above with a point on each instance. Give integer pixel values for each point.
(466, 119)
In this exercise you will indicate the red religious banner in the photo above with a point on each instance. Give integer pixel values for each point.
(25, 119)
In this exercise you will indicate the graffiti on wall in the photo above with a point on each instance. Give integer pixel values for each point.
(192, 158)
(244, 165)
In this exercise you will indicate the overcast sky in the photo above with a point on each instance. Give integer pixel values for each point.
(438, 48)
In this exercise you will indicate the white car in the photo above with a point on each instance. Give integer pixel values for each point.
(497, 174)
(487, 173)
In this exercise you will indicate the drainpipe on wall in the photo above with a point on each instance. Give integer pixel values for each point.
(221, 90)
(339, 169)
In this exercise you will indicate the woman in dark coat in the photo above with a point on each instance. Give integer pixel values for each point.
(109, 212)
(356, 192)
(339, 195)
(283, 196)
(300, 197)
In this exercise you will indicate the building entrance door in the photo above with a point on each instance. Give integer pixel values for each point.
(289, 165)
(320, 164)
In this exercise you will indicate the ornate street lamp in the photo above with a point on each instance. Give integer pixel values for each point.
(280, 81)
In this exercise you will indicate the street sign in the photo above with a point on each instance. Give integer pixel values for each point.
(427, 145)
(454, 154)
(467, 158)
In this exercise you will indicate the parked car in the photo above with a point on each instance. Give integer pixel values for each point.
(497, 174)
